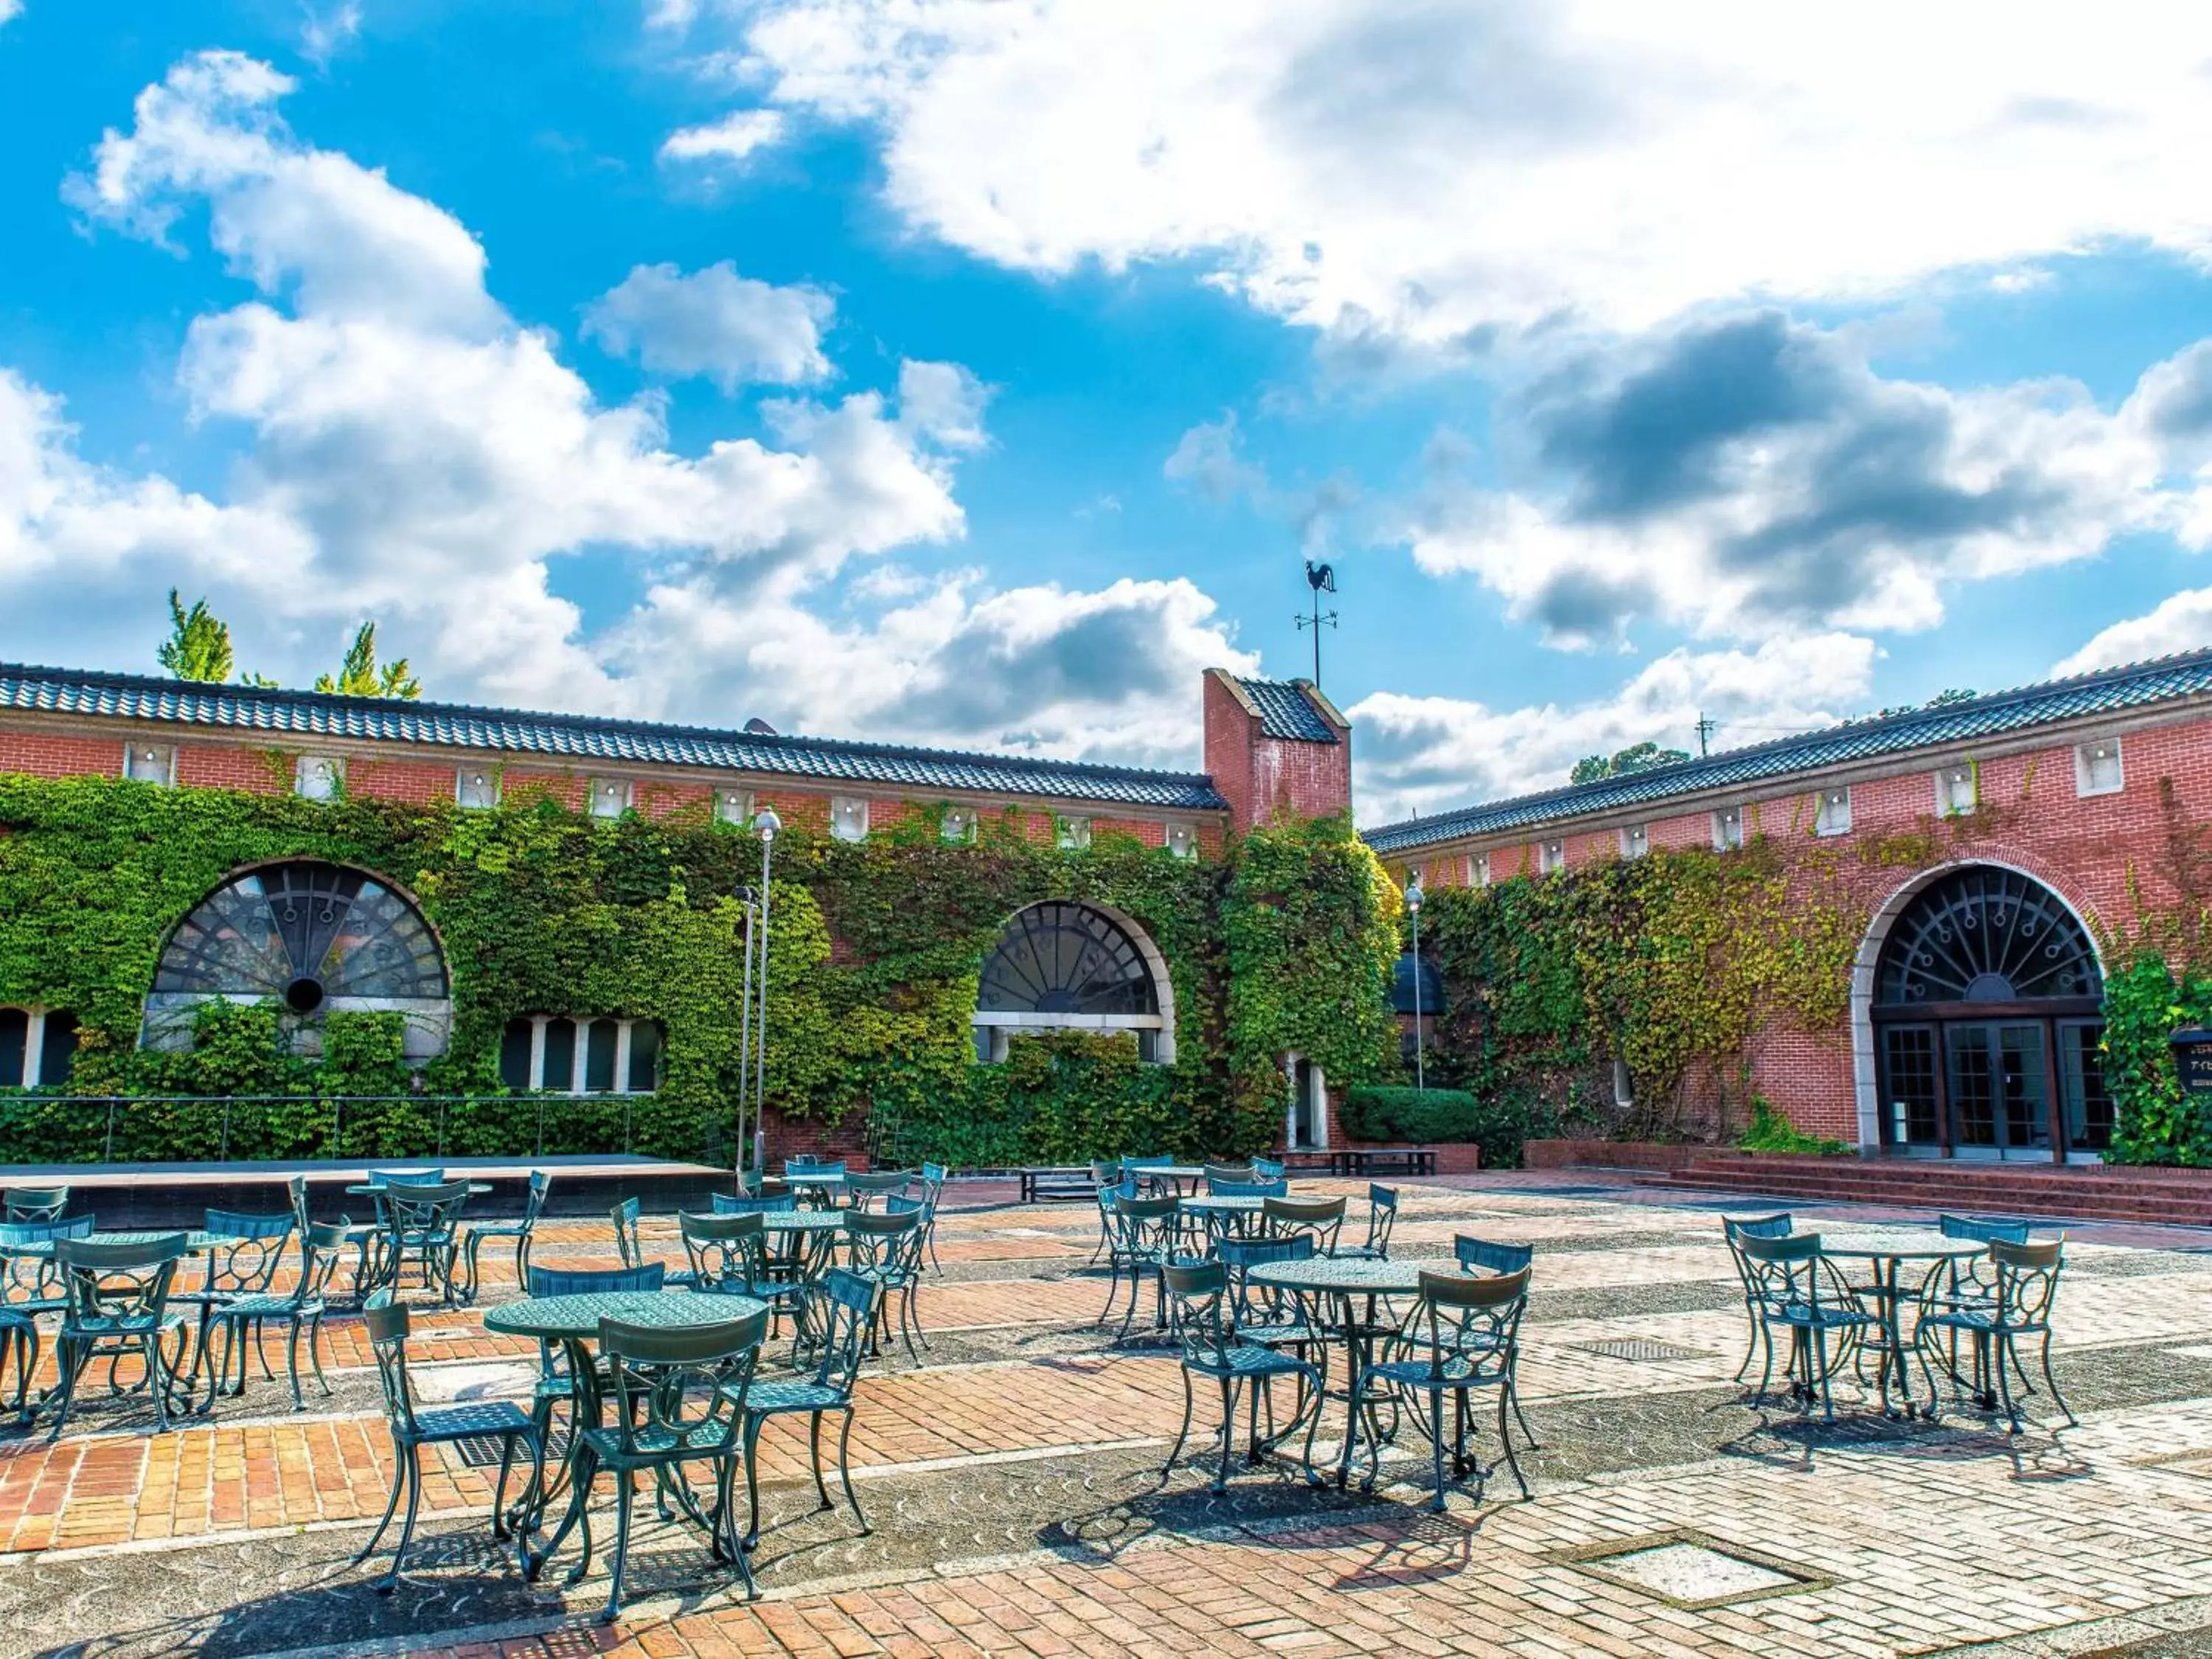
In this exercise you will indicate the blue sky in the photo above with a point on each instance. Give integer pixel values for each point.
(977, 372)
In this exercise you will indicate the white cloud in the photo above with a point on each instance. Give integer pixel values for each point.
(1208, 460)
(324, 32)
(727, 142)
(2183, 621)
(1428, 754)
(1440, 165)
(10, 9)
(731, 329)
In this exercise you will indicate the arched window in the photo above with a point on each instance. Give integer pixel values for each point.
(1063, 966)
(317, 938)
(1987, 1012)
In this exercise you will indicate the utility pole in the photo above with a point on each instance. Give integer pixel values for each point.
(1706, 726)
(1322, 578)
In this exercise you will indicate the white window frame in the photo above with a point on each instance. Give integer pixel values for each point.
(1723, 818)
(1635, 841)
(305, 768)
(1831, 811)
(1181, 840)
(1551, 857)
(1949, 781)
(161, 757)
(2085, 761)
(848, 818)
(1070, 834)
(609, 798)
(582, 1023)
(959, 826)
(734, 806)
(482, 783)
(1478, 869)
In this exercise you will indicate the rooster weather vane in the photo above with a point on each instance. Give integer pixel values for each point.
(1322, 578)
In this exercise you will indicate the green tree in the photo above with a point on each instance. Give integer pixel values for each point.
(359, 676)
(1636, 757)
(198, 646)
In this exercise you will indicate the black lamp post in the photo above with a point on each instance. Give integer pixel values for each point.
(1414, 897)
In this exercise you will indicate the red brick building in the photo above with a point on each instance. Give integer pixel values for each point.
(2005, 842)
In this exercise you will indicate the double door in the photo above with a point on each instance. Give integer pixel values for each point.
(1993, 1088)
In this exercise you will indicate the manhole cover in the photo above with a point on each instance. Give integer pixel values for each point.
(1641, 1349)
(1691, 1570)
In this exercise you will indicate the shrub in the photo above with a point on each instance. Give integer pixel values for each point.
(1499, 1124)
(1771, 1132)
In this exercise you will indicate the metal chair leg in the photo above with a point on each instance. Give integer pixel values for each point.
(814, 1456)
(391, 1506)
(1189, 1404)
(625, 1488)
(845, 1471)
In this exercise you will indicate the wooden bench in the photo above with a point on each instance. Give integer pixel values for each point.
(1365, 1161)
(1045, 1185)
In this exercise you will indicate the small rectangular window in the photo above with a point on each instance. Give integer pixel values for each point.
(15, 1043)
(56, 1053)
(1957, 793)
(610, 797)
(2097, 768)
(1478, 870)
(600, 1040)
(1553, 857)
(1183, 840)
(476, 788)
(1831, 812)
(560, 1071)
(644, 1058)
(1635, 841)
(145, 762)
(1074, 833)
(515, 1055)
(318, 777)
(1727, 829)
(734, 805)
(959, 825)
(848, 818)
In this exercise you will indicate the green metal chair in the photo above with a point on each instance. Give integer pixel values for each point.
(846, 1315)
(2024, 1278)
(1462, 1335)
(886, 1250)
(420, 1218)
(1264, 1314)
(244, 1252)
(729, 1257)
(388, 1324)
(553, 1386)
(1320, 1219)
(1381, 1217)
(1107, 1180)
(31, 1286)
(679, 1398)
(1798, 1290)
(117, 1303)
(1268, 1169)
(631, 1247)
(301, 1309)
(361, 1236)
(1483, 1255)
(934, 1178)
(520, 1230)
(1778, 1225)
(34, 1203)
(1149, 1238)
(1212, 1347)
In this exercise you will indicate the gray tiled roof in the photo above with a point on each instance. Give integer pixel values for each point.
(2110, 690)
(1286, 712)
(576, 738)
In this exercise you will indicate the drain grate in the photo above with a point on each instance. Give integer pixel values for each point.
(481, 1451)
(1643, 1350)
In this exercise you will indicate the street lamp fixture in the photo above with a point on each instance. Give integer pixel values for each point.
(1414, 897)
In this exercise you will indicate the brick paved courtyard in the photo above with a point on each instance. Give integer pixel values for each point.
(1014, 1481)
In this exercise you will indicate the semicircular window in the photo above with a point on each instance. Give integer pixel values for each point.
(1985, 934)
(315, 938)
(1062, 965)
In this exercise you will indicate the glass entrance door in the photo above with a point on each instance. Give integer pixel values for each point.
(2000, 1081)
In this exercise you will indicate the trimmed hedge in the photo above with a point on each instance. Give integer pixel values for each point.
(1499, 1125)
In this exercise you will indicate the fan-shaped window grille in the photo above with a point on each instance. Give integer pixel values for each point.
(316, 938)
(1984, 935)
(1063, 965)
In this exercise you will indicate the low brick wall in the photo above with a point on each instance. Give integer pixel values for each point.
(1615, 1154)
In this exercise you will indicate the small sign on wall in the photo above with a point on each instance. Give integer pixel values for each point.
(2192, 1058)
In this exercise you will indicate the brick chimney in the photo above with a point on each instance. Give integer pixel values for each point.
(1275, 748)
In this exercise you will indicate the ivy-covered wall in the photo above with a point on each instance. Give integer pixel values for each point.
(876, 950)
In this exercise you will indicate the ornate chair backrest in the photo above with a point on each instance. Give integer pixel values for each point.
(1256, 1304)
(533, 1204)
(1201, 1317)
(747, 1204)
(295, 1187)
(245, 1251)
(624, 1216)
(1979, 1272)
(1780, 1225)
(1323, 1218)
(406, 1177)
(863, 1188)
(845, 1309)
(35, 1278)
(1267, 1168)
(595, 1281)
(933, 1176)
(884, 1243)
(1148, 1227)
(2027, 1280)
(1218, 1186)
(388, 1324)
(1781, 1273)
(123, 1286)
(680, 1393)
(1110, 1187)
(1482, 1255)
(1105, 1172)
(320, 1248)
(727, 1252)
(799, 1169)
(420, 1210)
(1472, 1325)
(1381, 1217)
(34, 1203)
(1228, 1172)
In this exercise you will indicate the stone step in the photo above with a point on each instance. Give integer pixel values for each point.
(2085, 1195)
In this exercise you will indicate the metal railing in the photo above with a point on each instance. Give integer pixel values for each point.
(37, 1127)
